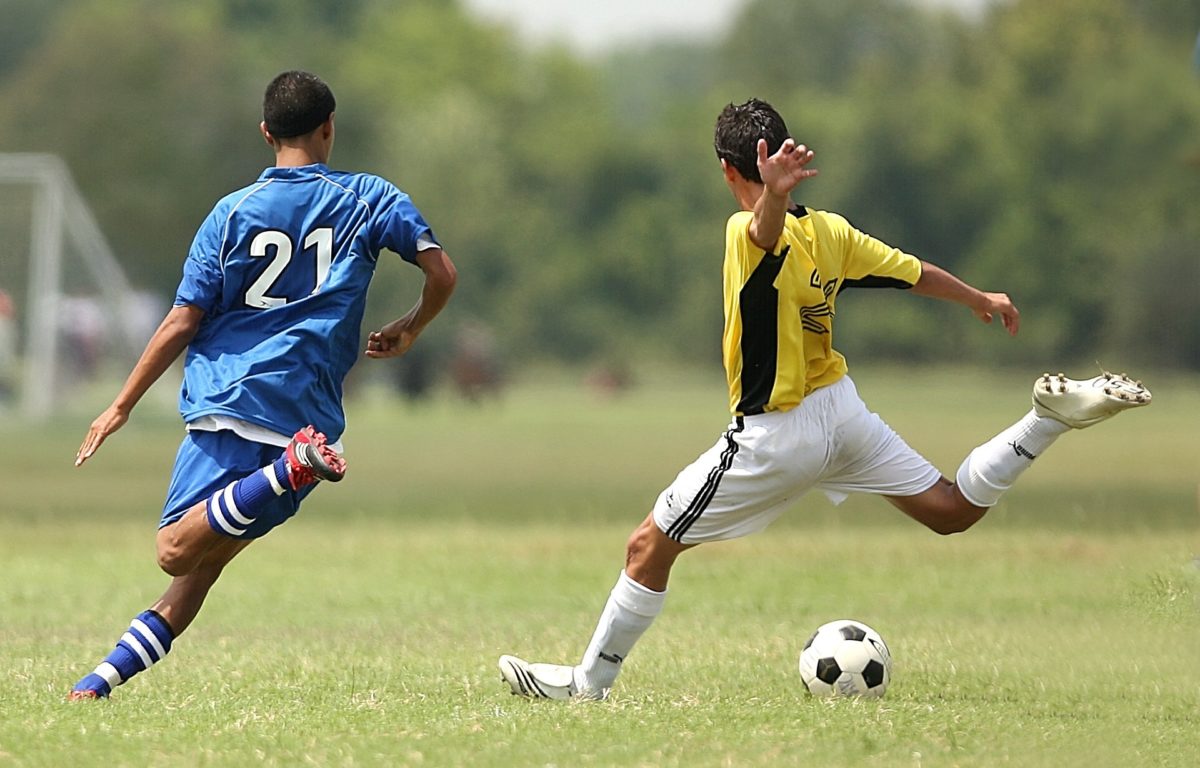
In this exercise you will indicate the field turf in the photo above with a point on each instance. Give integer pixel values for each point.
(1064, 629)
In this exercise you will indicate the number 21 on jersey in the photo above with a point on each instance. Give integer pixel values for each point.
(320, 241)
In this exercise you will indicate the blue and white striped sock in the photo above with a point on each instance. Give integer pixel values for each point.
(145, 643)
(235, 507)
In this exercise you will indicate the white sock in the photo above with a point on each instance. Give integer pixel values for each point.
(992, 468)
(630, 610)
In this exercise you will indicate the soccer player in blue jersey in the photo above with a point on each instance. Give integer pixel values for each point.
(269, 311)
(798, 423)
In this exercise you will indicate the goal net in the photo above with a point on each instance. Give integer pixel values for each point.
(66, 305)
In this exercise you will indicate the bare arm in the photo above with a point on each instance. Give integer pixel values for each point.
(781, 173)
(937, 283)
(177, 330)
(395, 338)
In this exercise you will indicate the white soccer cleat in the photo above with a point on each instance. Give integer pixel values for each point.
(543, 681)
(1080, 404)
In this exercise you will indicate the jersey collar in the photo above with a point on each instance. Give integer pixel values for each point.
(293, 174)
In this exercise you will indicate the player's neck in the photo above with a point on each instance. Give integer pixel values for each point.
(747, 194)
(296, 156)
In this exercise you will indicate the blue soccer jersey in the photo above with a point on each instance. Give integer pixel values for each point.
(281, 270)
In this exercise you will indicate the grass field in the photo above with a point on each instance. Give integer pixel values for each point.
(1063, 630)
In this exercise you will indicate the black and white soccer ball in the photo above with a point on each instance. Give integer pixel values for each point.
(846, 658)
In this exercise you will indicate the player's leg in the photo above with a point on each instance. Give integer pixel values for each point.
(735, 488)
(152, 632)
(650, 554)
(874, 459)
(181, 546)
(634, 602)
(868, 456)
(234, 509)
(1059, 405)
(990, 469)
(181, 601)
(195, 545)
(942, 508)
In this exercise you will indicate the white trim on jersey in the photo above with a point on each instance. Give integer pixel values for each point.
(229, 218)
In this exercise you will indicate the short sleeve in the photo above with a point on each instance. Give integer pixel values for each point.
(202, 277)
(400, 227)
(739, 248)
(868, 258)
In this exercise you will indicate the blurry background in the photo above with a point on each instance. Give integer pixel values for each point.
(563, 156)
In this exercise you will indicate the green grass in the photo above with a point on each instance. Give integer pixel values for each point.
(1063, 630)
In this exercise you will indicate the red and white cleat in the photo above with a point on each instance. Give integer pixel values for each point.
(309, 459)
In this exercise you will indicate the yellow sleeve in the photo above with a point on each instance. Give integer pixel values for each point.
(866, 258)
(741, 254)
(737, 237)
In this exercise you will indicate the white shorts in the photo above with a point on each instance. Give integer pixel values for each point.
(830, 442)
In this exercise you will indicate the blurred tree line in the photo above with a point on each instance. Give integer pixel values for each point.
(1049, 150)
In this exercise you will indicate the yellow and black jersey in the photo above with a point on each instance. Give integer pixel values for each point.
(779, 307)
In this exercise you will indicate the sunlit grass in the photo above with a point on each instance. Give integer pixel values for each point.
(1060, 631)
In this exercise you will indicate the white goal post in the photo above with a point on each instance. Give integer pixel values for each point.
(59, 212)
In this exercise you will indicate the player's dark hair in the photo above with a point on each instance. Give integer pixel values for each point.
(296, 103)
(740, 126)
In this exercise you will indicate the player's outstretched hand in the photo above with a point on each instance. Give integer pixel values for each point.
(392, 340)
(782, 171)
(105, 424)
(999, 304)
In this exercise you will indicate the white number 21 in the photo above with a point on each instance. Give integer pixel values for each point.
(321, 239)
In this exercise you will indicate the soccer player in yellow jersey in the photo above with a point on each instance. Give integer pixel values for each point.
(798, 423)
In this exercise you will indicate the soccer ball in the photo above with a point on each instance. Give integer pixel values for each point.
(846, 658)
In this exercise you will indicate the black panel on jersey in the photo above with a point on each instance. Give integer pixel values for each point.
(872, 281)
(758, 302)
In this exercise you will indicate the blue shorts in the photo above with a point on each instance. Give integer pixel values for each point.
(209, 461)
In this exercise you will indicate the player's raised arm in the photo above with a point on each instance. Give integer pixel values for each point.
(395, 338)
(937, 283)
(175, 332)
(780, 173)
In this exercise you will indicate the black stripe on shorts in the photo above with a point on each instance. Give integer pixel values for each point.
(685, 521)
